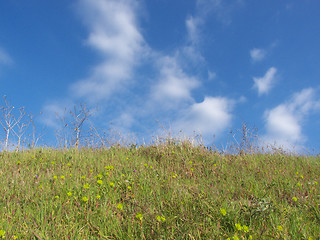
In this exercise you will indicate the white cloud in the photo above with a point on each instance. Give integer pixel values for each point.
(284, 122)
(115, 35)
(283, 125)
(257, 54)
(5, 58)
(265, 83)
(305, 101)
(174, 84)
(210, 117)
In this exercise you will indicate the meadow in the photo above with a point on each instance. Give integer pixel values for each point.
(170, 190)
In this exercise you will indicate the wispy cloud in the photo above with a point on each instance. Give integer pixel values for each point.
(5, 59)
(53, 111)
(114, 33)
(192, 25)
(221, 9)
(284, 122)
(174, 85)
(257, 54)
(195, 24)
(211, 75)
(191, 50)
(265, 83)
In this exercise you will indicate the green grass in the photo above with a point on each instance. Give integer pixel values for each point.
(165, 191)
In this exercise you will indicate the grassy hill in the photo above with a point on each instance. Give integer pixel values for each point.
(162, 191)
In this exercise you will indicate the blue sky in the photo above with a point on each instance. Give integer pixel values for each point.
(203, 66)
